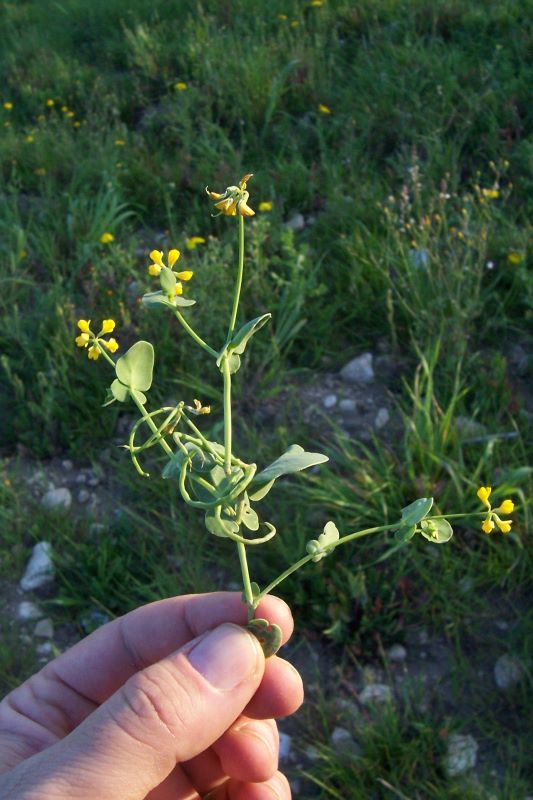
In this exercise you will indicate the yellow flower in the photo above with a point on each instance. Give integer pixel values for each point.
(84, 325)
(294, 23)
(315, 3)
(111, 344)
(180, 86)
(503, 524)
(94, 353)
(173, 256)
(8, 106)
(487, 526)
(192, 241)
(484, 493)
(120, 142)
(179, 288)
(82, 340)
(40, 171)
(324, 109)
(186, 275)
(76, 124)
(507, 507)
(50, 103)
(283, 17)
(108, 325)
(490, 194)
(157, 257)
(29, 138)
(106, 238)
(266, 205)
(199, 408)
(514, 257)
(64, 109)
(234, 200)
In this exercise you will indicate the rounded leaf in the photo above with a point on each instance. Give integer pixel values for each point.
(413, 513)
(135, 368)
(437, 531)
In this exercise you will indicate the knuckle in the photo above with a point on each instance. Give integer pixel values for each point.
(158, 699)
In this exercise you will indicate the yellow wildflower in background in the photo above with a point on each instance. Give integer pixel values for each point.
(193, 241)
(106, 238)
(40, 171)
(514, 257)
(506, 507)
(50, 103)
(180, 86)
(8, 106)
(283, 17)
(490, 194)
(29, 138)
(315, 3)
(266, 205)
(322, 109)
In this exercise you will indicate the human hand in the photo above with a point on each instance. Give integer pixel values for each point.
(169, 702)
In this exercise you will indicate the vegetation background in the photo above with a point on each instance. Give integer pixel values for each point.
(392, 140)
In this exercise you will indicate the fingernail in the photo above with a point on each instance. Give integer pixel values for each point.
(226, 656)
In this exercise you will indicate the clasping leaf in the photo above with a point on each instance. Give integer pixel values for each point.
(319, 548)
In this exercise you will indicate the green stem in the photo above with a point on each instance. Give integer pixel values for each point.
(241, 549)
(197, 339)
(227, 415)
(307, 559)
(151, 424)
(238, 283)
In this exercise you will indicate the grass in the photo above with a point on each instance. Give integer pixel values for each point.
(415, 196)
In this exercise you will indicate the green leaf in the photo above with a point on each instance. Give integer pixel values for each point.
(437, 531)
(413, 513)
(242, 337)
(249, 517)
(293, 460)
(319, 548)
(153, 299)
(256, 591)
(236, 347)
(168, 281)
(217, 525)
(403, 534)
(109, 398)
(268, 634)
(135, 368)
(234, 362)
(262, 491)
(119, 391)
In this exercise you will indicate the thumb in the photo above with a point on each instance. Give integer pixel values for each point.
(164, 714)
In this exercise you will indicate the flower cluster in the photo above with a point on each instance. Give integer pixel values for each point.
(507, 507)
(87, 337)
(158, 264)
(234, 200)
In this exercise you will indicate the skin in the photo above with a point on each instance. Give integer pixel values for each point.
(127, 714)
